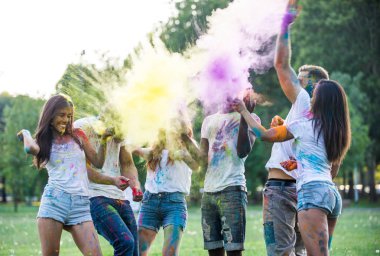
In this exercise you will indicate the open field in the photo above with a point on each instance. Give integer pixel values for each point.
(357, 233)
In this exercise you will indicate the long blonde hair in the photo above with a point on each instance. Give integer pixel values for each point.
(175, 141)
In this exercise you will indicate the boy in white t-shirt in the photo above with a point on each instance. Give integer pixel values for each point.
(225, 144)
(110, 210)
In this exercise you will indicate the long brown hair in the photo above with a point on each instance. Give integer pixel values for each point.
(331, 117)
(44, 132)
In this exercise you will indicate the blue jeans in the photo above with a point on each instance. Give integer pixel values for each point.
(163, 209)
(224, 219)
(281, 233)
(115, 221)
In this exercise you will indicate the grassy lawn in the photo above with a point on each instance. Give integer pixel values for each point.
(357, 233)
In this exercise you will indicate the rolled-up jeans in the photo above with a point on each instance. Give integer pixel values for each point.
(281, 233)
(115, 221)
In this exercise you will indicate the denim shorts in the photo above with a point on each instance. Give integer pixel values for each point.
(162, 209)
(224, 219)
(321, 195)
(61, 206)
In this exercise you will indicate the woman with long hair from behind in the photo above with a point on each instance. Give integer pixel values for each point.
(321, 142)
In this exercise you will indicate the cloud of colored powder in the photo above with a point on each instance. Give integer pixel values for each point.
(240, 38)
(156, 93)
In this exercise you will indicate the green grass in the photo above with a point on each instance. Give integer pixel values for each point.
(357, 233)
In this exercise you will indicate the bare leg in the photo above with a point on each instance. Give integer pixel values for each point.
(331, 224)
(216, 252)
(50, 232)
(314, 231)
(172, 240)
(234, 253)
(86, 238)
(146, 238)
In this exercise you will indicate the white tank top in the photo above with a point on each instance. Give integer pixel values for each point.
(67, 168)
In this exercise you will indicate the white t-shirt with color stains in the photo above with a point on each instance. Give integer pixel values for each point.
(310, 151)
(169, 176)
(111, 165)
(224, 168)
(67, 168)
(282, 151)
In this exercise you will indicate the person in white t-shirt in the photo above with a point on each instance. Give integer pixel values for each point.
(281, 232)
(321, 142)
(225, 145)
(168, 180)
(110, 210)
(63, 151)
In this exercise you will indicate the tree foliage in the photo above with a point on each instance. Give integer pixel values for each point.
(22, 178)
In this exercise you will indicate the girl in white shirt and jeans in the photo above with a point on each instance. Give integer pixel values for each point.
(321, 142)
(168, 180)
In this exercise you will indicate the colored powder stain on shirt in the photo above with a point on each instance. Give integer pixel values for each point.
(159, 178)
(315, 162)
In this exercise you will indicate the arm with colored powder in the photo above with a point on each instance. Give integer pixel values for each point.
(276, 134)
(30, 145)
(120, 182)
(244, 141)
(203, 154)
(285, 73)
(97, 158)
(128, 169)
(142, 152)
(192, 155)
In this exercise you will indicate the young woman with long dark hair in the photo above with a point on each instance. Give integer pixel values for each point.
(321, 142)
(65, 203)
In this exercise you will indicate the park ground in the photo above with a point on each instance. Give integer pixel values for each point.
(357, 233)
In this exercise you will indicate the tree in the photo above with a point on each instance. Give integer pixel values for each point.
(356, 156)
(184, 29)
(5, 100)
(21, 177)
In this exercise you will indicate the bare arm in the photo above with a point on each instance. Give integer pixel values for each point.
(204, 154)
(96, 158)
(334, 170)
(244, 143)
(30, 145)
(285, 73)
(96, 177)
(275, 134)
(192, 156)
(128, 168)
(142, 152)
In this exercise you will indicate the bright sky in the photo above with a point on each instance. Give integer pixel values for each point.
(40, 38)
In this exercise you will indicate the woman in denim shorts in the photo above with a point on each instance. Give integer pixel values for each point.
(321, 142)
(168, 181)
(63, 151)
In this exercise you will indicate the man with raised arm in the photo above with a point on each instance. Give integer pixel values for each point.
(281, 233)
